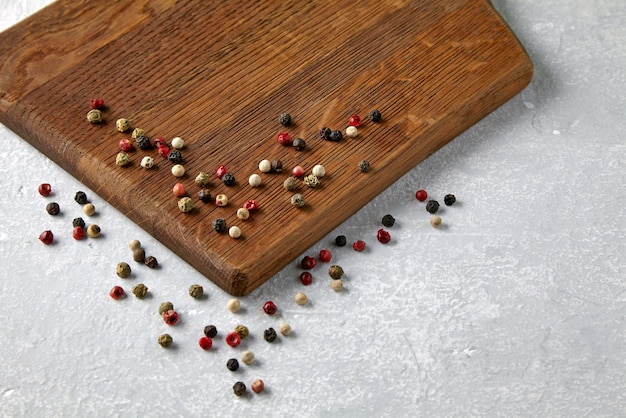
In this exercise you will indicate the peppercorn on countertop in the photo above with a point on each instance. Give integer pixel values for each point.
(515, 305)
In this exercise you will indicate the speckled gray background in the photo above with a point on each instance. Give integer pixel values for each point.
(515, 308)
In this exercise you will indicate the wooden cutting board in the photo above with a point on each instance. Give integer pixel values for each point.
(218, 74)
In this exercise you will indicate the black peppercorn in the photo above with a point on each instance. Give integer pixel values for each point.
(53, 208)
(432, 206)
(341, 241)
(375, 116)
(298, 144)
(80, 198)
(449, 199)
(335, 135)
(143, 142)
(364, 166)
(239, 388)
(325, 133)
(232, 364)
(151, 262)
(205, 196)
(269, 335)
(219, 225)
(388, 221)
(228, 179)
(78, 222)
(175, 156)
(277, 166)
(210, 331)
(284, 119)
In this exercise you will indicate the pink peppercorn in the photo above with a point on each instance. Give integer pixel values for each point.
(163, 150)
(251, 205)
(421, 195)
(355, 120)
(325, 256)
(117, 292)
(283, 138)
(159, 141)
(358, 245)
(233, 339)
(96, 103)
(44, 189)
(78, 233)
(125, 145)
(220, 171)
(383, 236)
(170, 317)
(46, 237)
(205, 343)
(306, 278)
(179, 190)
(269, 307)
(297, 171)
(308, 262)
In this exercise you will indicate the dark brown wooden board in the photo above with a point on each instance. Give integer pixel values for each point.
(218, 74)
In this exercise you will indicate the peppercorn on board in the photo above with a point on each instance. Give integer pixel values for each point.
(219, 76)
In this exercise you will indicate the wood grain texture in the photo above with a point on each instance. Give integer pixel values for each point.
(218, 74)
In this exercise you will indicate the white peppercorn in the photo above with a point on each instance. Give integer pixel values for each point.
(243, 213)
(265, 166)
(255, 180)
(284, 329)
(352, 131)
(435, 221)
(318, 171)
(147, 162)
(178, 143)
(178, 170)
(301, 298)
(234, 231)
(247, 357)
(233, 305)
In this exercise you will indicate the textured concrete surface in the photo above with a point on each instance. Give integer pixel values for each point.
(514, 308)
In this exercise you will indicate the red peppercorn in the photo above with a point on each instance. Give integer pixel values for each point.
(269, 307)
(233, 339)
(355, 120)
(325, 256)
(117, 292)
(78, 233)
(125, 145)
(205, 343)
(220, 171)
(306, 278)
(96, 103)
(179, 190)
(308, 263)
(159, 141)
(358, 245)
(283, 138)
(297, 171)
(163, 150)
(251, 205)
(421, 195)
(383, 236)
(44, 189)
(46, 237)
(170, 317)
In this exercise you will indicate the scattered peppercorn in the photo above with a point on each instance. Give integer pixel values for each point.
(53, 208)
(358, 245)
(435, 221)
(375, 116)
(220, 171)
(185, 204)
(134, 244)
(355, 120)
(341, 241)
(179, 190)
(432, 206)
(44, 189)
(284, 119)
(269, 307)
(233, 305)
(449, 199)
(137, 132)
(257, 386)
(383, 236)
(46, 237)
(163, 150)
(94, 116)
(139, 255)
(178, 143)
(421, 195)
(239, 388)
(151, 262)
(93, 231)
(143, 142)
(221, 200)
(277, 166)
(164, 307)
(196, 291)
(335, 135)
(202, 179)
(352, 132)
(247, 357)
(80, 198)
(122, 159)
(210, 331)
(242, 330)
(147, 162)
(269, 335)
(364, 166)
(308, 262)
(205, 343)
(243, 214)
(228, 179)
(170, 317)
(306, 278)
(78, 222)
(325, 256)
(318, 170)
(290, 184)
(233, 339)
(175, 156)
(89, 209)
(299, 144)
(388, 221)
(298, 200)
(117, 292)
(122, 125)
(312, 181)
(335, 272)
(96, 103)
(251, 205)
(165, 340)
(219, 225)
(140, 290)
(284, 329)
(325, 133)
(78, 233)
(178, 170)
(204, 196)
(122, 269)
(284, 139)
(234, 232)
(337, 285)
(301, 298)
(232, 364)
(265, 166)
(297, 171)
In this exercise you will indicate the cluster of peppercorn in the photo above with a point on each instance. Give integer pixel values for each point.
(123, 270)
(432, 206)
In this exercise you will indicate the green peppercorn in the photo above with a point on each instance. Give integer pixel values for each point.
(185, 204)
(284, 119)
(196, 291)
(335, 272)
(164, 307)
(298, 200)
(165, 340)
(290, 184)
(122, 269)
(81, 198)
(239, 388)
(53, 208)
(388, 221)
(228, 179)
(375, 116)
(137, 132)
(219, 225)
(449, 199)
(269, 335)
(341, 241)
(242, 330)
(210, 331)
(151, 262)
(122, 159)
(232, 364)
(203, 179)
(364, 166)
(432, 206)
(140, 290)
(122, 125)
(311, 181)
(94, 116)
